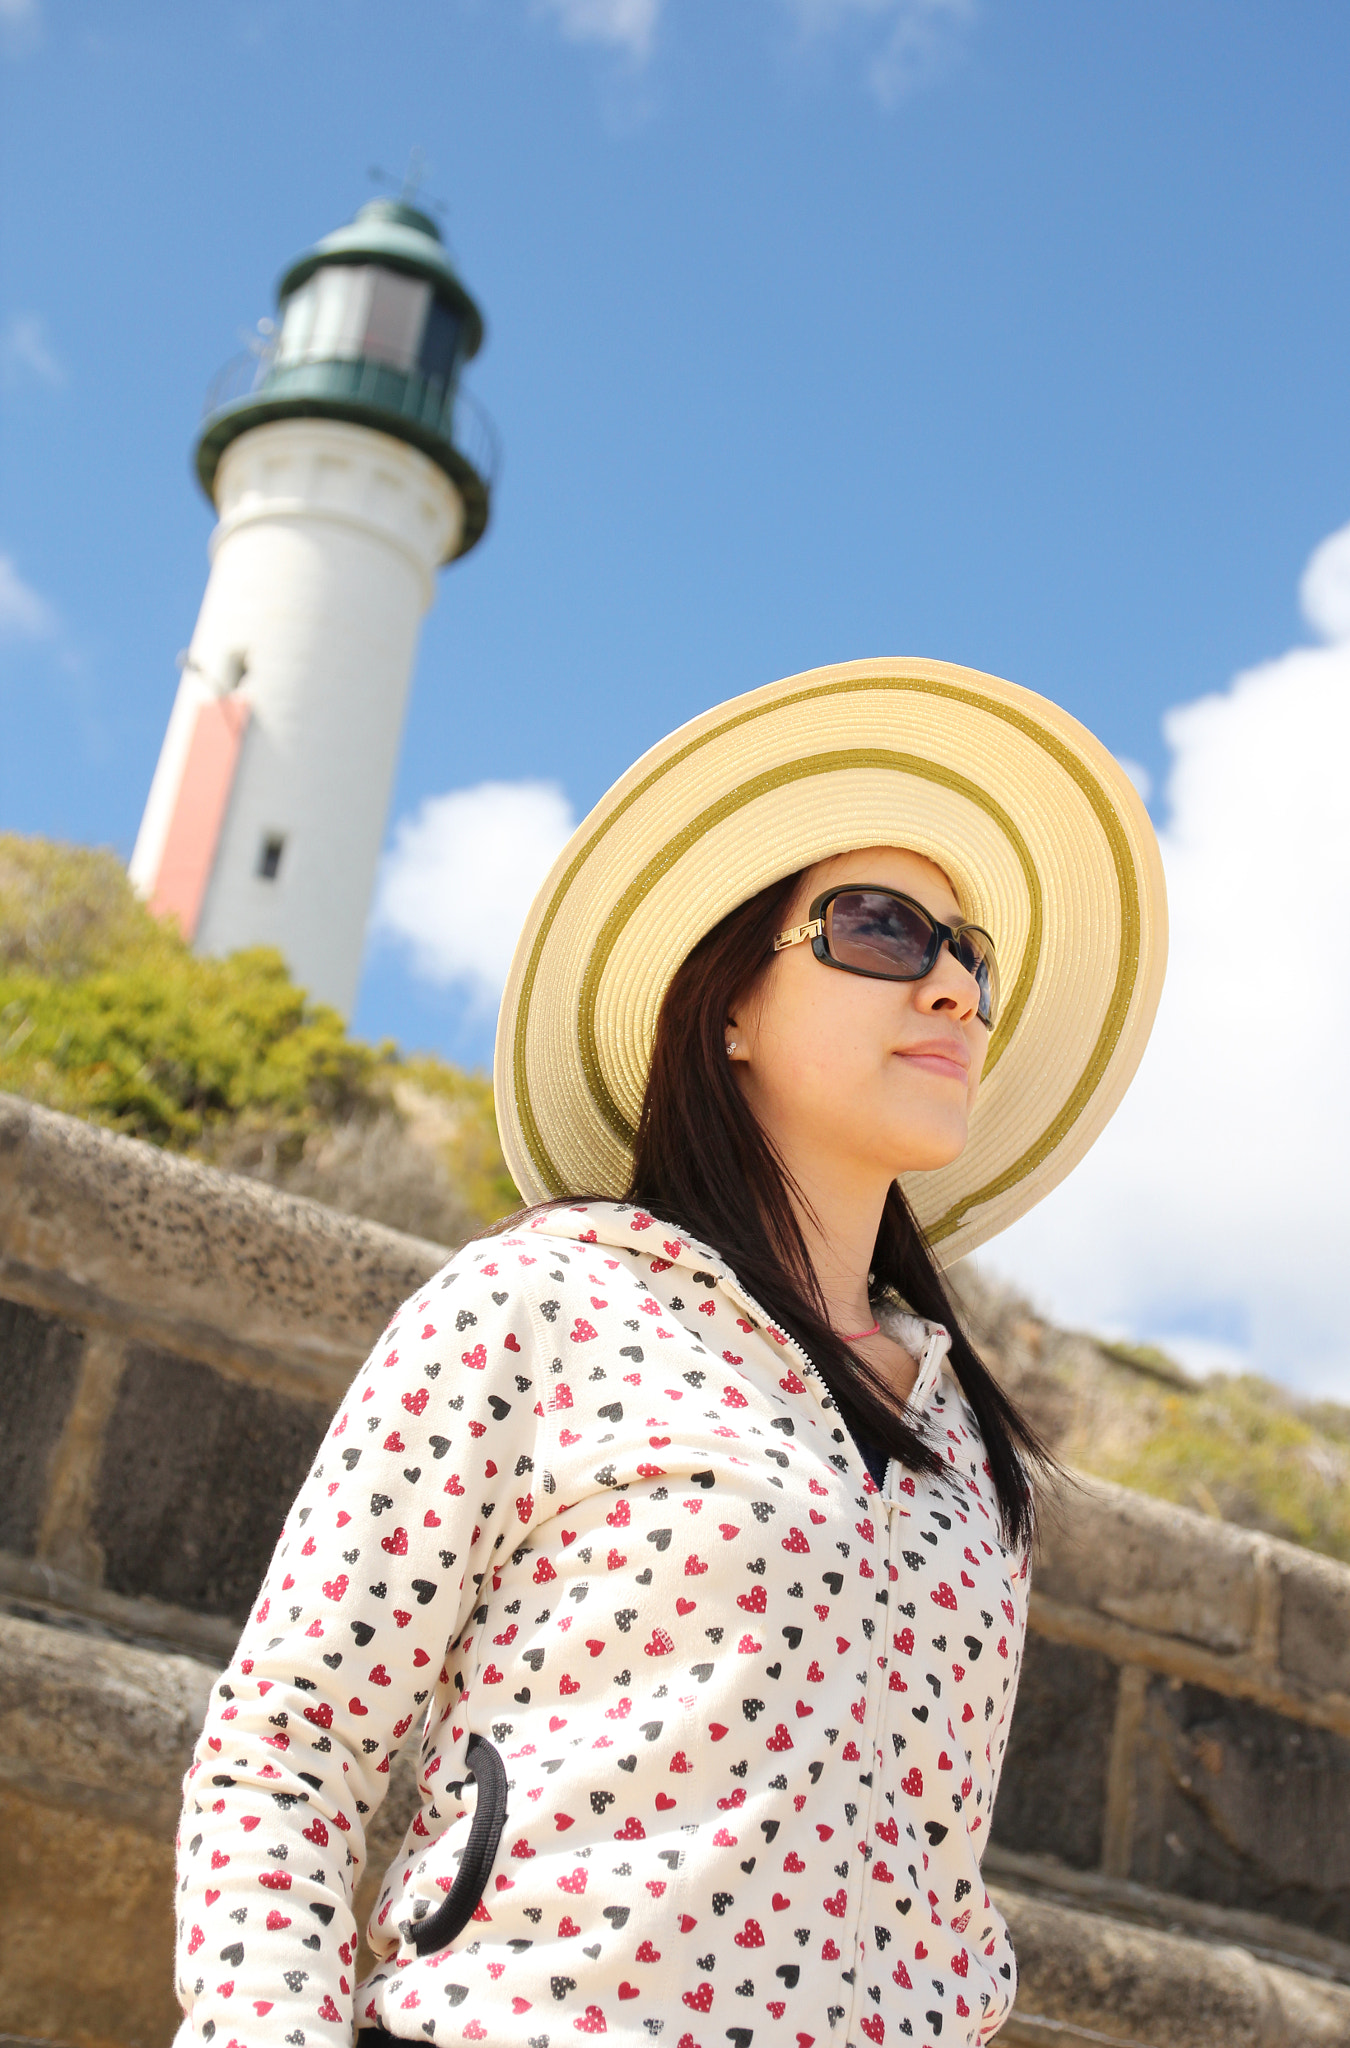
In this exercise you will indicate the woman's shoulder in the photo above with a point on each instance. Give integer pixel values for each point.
(546, 1248)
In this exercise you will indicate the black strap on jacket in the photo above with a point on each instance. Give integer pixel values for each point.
(456, 1910)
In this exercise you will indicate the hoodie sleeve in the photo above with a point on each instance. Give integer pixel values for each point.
(424, 1477)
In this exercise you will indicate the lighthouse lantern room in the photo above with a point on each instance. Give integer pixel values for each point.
(346, 465)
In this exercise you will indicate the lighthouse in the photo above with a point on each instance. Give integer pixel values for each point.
(346, 466)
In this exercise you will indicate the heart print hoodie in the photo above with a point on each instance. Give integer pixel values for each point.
(709, 1726)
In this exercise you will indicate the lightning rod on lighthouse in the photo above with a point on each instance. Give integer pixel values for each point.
(346, 466)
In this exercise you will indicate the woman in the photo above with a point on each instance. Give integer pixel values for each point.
(677, 1517)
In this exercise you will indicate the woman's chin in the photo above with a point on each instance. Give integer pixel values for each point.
(929, 1151)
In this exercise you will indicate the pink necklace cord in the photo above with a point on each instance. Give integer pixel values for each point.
(874, 1331)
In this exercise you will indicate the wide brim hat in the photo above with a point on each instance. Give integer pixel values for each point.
(1038, 828)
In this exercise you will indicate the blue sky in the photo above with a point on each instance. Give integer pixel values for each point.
(1016, 335)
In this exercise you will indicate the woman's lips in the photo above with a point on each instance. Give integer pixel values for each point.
(948, 1062)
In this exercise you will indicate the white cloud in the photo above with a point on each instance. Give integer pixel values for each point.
(1324, 589)
(1216, 1205)
(25, 349)
(913, 41)
(460, 876)
(24, 614)
(627, 25)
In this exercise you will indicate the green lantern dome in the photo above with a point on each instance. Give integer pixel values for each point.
(374, 327)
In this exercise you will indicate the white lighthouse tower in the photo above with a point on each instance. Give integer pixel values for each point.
(346, 468)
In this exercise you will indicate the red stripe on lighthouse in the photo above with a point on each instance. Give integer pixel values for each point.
(199, 811)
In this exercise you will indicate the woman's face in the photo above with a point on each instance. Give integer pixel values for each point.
(856, 1074)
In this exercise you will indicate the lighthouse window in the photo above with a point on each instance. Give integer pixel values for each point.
(440, 342)
(341, 305)
(297, 325)
(269, 860)
(398, 309)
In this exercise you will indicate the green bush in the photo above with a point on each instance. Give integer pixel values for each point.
(107, 1014)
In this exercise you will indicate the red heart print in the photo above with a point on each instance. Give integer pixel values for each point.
(394, 1442)
(750, 1936)
(431, 1520)
(555, 1722)
(687, 1921)
(511, 1341)
(333, 1589)
(355, 1707)
(416, 1402)
(717, 1729)
(664, 1802)
(627, 1990)
(780, 1904)
(701, 1999)
(838, 1905)
(397, 1544)
(912, 1782)
(685, 1606)
(803, 1709)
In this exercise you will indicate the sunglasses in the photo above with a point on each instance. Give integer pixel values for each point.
(890, 937)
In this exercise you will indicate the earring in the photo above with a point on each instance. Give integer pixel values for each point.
(731, 1047)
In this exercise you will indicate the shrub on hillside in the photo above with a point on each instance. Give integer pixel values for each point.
(106, 1013)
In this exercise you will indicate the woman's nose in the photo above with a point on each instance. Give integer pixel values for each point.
(949, 986)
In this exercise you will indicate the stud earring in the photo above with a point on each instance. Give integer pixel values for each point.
(731, 1047)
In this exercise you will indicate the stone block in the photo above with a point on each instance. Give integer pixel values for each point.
(174, 1250)
(1053, 1792)
(1085, 1978)
(1148, 1563)
(39, 1369)
(1236, 1804)
(94, 1740)
(96, 1724)
(197, 1473)
(1314, 1619)
(87, 1907)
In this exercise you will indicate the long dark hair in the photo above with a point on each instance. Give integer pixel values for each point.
(703, 1163)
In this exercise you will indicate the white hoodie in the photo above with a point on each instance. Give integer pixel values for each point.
(737, 1715)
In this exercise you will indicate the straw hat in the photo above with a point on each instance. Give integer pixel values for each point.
(1040, 831)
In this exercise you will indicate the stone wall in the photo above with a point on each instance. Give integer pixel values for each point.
(1171, 1843)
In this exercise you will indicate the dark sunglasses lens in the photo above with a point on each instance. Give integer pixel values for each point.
(879, 934)
(975, 951)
